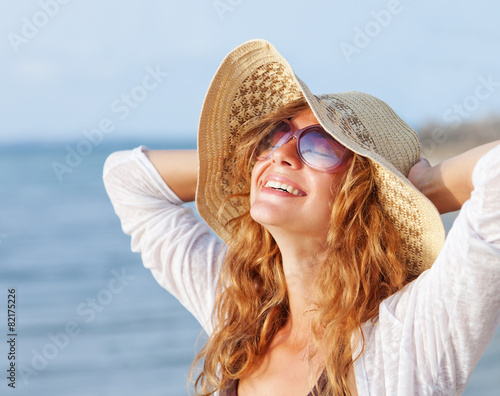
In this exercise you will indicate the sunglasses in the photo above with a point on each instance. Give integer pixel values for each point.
(316, 148)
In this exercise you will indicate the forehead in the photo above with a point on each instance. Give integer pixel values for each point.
(304, 119)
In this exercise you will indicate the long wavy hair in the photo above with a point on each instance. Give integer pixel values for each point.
(362, 268)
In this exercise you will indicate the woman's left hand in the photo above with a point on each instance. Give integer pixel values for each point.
(427, 179)
(419, 173)
(448, 184)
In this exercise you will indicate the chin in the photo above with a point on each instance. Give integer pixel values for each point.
(264, 214)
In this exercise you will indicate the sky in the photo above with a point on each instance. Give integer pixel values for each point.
(135, 68)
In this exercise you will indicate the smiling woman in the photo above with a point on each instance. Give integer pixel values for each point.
(330, 276)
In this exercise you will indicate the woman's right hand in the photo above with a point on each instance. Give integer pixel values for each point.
(179, 169)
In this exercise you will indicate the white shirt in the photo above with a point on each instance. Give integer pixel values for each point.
(428, 337)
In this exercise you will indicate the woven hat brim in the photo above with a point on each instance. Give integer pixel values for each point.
(219, 122)
(234, 97)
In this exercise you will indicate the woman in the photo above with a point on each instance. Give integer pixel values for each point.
(320, 284)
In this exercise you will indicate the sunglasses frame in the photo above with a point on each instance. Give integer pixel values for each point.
(297, 134)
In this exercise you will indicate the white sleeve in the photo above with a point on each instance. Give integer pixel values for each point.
(448, 316)
(175, 245)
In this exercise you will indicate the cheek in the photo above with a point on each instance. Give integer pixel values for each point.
(331, 190)
(256, 172)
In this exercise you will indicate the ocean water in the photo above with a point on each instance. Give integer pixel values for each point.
(90, 320)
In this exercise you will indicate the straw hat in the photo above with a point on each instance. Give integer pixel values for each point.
(253, 80)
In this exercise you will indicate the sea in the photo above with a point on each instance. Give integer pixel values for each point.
(85, 317)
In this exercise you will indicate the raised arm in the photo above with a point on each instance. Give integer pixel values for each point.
(448, 184)
(178, 168)
(174, 243)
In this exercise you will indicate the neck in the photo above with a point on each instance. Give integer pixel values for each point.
(301, 259)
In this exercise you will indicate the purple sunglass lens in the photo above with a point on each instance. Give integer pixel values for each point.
(319, 150)
(274, 140)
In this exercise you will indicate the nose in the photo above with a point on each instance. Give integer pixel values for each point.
(287, 154)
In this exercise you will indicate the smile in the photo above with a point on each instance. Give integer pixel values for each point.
(276, 185)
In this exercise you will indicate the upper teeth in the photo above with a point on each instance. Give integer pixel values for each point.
(282, 186)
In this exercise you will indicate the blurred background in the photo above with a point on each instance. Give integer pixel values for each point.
(81, 79)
